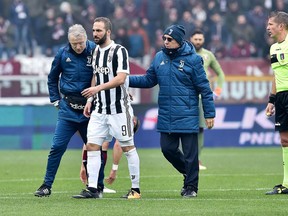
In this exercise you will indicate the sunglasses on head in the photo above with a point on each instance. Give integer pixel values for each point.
(167, 38)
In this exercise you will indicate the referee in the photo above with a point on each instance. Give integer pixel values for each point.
(277, 28)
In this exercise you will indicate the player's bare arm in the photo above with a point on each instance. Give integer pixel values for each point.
(87, 108)
(115, 82)
(83, 176)
(117, 153)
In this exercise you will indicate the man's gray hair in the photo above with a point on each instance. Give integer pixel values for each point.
(77, 31)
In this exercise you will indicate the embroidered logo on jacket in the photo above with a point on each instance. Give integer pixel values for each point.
(89, 60)
(180, 68)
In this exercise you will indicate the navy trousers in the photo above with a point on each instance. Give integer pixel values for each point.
(64, 130)
(185, 161)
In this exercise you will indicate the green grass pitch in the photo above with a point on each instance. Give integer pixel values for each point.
(234, 184)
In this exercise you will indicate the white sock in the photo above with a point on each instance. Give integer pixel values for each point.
(285, 166)
(93, 167)
(134, 167)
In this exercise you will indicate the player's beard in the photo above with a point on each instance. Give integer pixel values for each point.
(102, 40)
(198, 47)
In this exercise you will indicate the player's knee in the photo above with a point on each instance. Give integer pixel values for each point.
(128, 148)
(92, 147)
(127, 145)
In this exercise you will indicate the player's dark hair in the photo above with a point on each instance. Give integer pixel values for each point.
(106, 21)
(197, 31)
(280, 17)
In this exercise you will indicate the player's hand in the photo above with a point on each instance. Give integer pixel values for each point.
(89, 92)
(83, 176)
(87, 109)
(112, 177)
(217, 92)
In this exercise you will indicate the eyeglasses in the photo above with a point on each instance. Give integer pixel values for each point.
(167, 38)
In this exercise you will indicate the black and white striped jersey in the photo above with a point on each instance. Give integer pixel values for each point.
(107, 62)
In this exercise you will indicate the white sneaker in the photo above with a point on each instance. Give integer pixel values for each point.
(202, 167)
(107, 190)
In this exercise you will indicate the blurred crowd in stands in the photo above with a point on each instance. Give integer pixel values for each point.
(233, 28)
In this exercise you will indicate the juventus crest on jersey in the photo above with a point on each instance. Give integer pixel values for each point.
(107, 62)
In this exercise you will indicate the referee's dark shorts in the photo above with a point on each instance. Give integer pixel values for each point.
(281, 108)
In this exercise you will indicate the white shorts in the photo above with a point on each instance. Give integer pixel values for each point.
(103, 127)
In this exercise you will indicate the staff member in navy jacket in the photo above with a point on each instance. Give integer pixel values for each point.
(71, 72)
(179, 72)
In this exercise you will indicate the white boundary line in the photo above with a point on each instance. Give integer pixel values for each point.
(147, 176)
(147, 198)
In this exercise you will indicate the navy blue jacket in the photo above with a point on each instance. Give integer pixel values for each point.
(181, 79)
(70, 74)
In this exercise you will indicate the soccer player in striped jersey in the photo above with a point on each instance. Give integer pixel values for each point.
(277, 28)
(197, 39)
(113, 113)
(117, 154)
